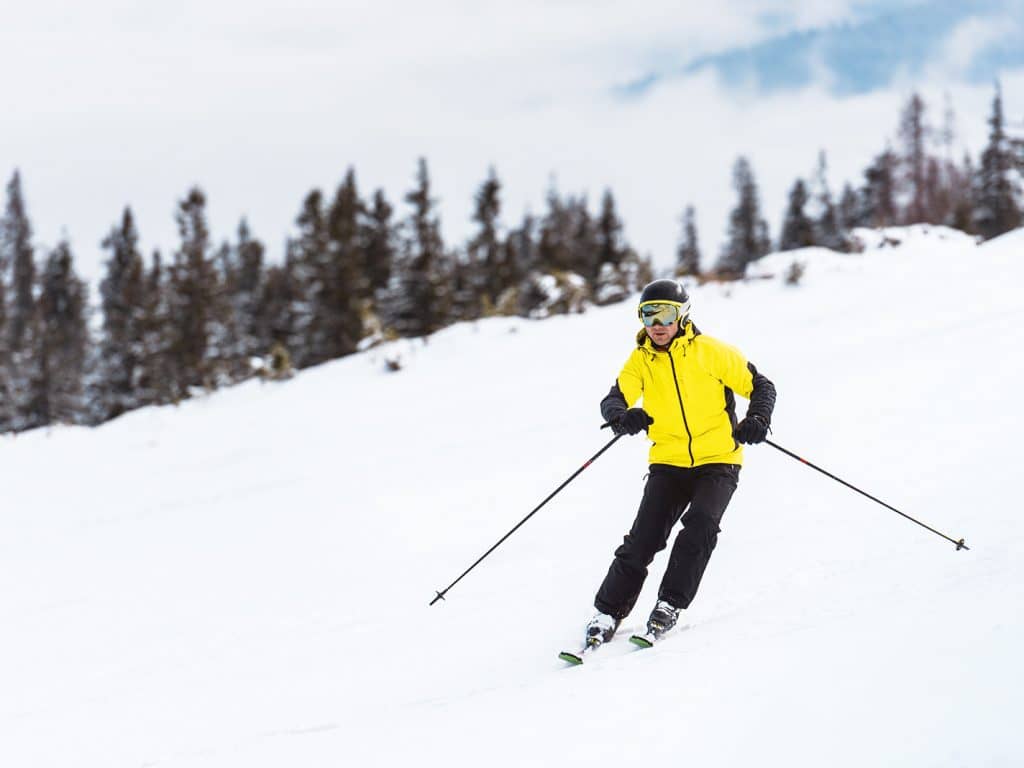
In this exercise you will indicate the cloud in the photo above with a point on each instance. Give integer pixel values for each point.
(119, 104)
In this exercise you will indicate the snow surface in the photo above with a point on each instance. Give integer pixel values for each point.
(243, 580)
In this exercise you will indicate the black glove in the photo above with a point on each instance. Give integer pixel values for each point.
(753, 429)
(632, 421)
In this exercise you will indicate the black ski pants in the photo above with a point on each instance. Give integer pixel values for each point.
(703, 493)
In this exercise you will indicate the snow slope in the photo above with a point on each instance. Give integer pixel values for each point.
(243, 580)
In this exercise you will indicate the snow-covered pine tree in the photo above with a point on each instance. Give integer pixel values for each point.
(997, 195)
(688, 252)
(798, 230)
(747, 237)
(122, 344)
(61, 343)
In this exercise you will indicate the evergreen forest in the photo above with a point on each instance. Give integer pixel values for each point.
(359, 269)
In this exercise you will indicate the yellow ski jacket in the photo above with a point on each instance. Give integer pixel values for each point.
(688, 390)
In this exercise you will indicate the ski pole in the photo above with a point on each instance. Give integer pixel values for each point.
(959, 544)
(591, 460)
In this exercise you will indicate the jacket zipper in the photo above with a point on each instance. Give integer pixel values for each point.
(686, 424)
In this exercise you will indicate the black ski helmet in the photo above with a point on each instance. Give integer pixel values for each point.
(664, 290)
(670, 292)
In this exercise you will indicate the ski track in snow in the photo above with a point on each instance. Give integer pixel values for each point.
(244, 579)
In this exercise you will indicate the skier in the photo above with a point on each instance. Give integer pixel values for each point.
(687, 381)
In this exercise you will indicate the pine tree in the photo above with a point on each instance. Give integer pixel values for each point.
(6, 411)
(521, 256)
(848, 212)
(583, 243)
(555, 247)
(490, 275)
(123, 305)
(306, 255)
(16, 250)
(748, 231)
(418, 299)
(246, 292)
(379, 239)
(878, 195)
(158, 383)
(938, 197)
(621, 271)
(962, 204)
(797, 227)
(194, 289)
(824, 218)
(611, 246)
(229, 343)
(913, 165)
(62, 344)
(344, 280)
(945, 182)
(278, 323)
(688, 252)
(997, 192)
(18, 254)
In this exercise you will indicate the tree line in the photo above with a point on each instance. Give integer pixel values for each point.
(919, 180)
(355, 271)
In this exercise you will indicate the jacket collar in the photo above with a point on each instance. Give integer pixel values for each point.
(682, 339)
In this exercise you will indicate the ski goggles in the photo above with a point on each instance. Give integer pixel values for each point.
(658, 313)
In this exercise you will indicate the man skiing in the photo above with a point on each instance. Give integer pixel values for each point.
(687, 381)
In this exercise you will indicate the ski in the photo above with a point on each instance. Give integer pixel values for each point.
(644, 641)
(575, 658)
(648, 639)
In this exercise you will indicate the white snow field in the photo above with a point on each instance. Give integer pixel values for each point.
(244, 580)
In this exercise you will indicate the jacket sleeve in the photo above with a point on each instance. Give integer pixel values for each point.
(626, 390)
(733, 370)
(762, 395)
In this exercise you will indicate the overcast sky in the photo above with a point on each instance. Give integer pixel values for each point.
(113, 103)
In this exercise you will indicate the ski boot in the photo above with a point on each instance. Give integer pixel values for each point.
(662, 619)
(601, 628)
